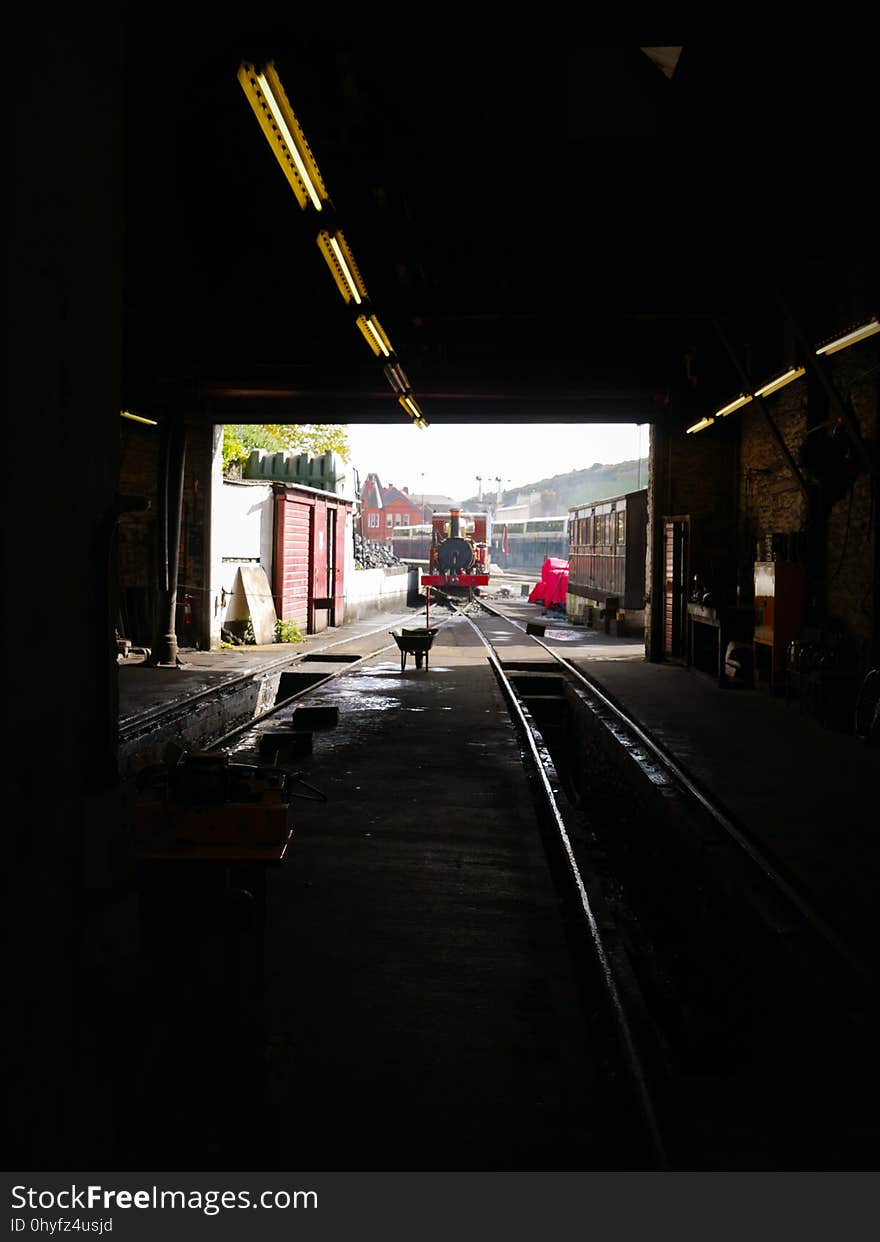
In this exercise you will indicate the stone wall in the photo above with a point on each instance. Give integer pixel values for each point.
(836, 530)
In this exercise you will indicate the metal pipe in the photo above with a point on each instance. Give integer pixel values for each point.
(172, 506)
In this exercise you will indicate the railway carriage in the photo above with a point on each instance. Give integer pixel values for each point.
(525, 543)
(607, 547)
(412, 543)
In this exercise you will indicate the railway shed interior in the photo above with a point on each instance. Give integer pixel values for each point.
(161, 265)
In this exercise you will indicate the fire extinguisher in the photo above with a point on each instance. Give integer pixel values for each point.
(187, 610)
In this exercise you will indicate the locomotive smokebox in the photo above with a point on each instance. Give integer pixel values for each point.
(455, 556)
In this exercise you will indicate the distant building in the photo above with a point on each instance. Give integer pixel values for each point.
(383, 508)
(534, 504)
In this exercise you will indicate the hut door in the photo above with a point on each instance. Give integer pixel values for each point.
(675, 541)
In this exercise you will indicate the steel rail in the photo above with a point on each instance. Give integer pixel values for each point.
(771, 870)
(313, 685)
(148, 718)
(622, 1027)
(291, 698)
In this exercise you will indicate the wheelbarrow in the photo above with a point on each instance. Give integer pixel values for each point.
(415, 643)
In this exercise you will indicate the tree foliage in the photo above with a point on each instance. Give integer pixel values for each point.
(239, 440)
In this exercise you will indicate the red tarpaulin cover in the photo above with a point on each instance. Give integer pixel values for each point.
(553, 585)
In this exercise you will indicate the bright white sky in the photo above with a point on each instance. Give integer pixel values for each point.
(445, 460)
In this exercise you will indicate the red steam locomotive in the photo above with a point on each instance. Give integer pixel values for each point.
(458, 561)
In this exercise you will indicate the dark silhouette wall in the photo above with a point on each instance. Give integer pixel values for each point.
(71, 921)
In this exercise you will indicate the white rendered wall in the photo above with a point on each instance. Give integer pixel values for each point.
(242, 531)
(378, 590)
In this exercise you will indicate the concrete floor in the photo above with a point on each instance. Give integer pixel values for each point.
(419, 1007)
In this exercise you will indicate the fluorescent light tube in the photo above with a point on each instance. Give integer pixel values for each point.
(857, 334)
(136, 418)
(741, 400)
(374, 335)
(792, 373)
(272, 108)
(341, 263)
(413, 408)
(700, 426)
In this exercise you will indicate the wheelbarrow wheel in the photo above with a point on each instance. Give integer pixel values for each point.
(419, 656)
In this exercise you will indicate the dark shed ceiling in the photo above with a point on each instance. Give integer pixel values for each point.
(545, 224)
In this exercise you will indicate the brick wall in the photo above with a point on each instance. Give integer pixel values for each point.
(769, 498)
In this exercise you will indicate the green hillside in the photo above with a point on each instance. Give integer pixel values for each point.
(577, 487)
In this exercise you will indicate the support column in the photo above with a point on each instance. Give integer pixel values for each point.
(173, 461)
(658, 504)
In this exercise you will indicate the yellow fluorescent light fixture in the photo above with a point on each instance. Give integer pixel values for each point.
(792, 373)
(374, 335)
(137, 418)
(271, 106)
(396, 378)
(341, 263)
(412, 407)
(700, 426)
(857, 334)
(736, 404)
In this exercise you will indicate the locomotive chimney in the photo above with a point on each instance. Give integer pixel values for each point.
(454, 526)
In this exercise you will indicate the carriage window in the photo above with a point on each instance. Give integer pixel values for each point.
(621, 526)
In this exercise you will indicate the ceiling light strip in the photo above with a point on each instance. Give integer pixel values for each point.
(700, 426)
(374, 335)
(857, 334)
(271, 106)
(861, 333)
(774, 385)
(736, 404)
(137, 418)
(341, 263)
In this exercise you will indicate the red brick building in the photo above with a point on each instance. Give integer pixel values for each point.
(383, 508)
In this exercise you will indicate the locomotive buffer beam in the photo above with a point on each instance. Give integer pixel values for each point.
(451, 580)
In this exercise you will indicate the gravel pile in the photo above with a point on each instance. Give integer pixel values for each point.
(369, 555)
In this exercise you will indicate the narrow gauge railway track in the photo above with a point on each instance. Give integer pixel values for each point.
(145, 720)
(654, 1050)
(787, 889)
(790, 1001)
(591, 932)
(622, 1043)
(347, 664)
